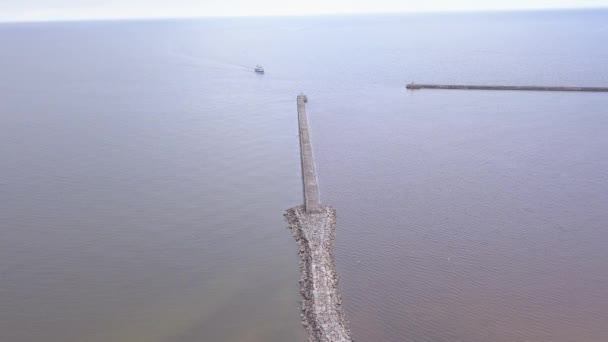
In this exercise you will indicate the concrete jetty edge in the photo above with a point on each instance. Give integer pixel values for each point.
(415, 86)
(322, 313)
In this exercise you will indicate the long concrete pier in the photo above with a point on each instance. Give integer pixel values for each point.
(313, 226)
(309, 178)
(414, 86)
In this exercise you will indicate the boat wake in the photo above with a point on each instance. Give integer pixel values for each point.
(202, 62)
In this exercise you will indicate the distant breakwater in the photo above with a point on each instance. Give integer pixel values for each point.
(313, 227)
(415, 86)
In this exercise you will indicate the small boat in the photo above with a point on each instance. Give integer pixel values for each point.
(259, 69)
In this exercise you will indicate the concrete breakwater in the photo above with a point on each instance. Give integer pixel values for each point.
(313, 225)
(414, 86)
(309, 178)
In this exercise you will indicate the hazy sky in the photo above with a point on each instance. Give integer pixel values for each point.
(18, 10)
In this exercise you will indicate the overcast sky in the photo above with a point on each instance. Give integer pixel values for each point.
(25, 10)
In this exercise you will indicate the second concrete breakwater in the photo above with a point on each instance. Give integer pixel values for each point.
(415, 86)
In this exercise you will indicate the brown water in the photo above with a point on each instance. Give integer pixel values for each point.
(139, 201)
(460, 224)
(145, 169)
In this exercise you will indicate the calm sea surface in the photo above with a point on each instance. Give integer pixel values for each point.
(144, 170)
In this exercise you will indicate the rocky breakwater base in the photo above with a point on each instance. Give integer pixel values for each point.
(322, 313)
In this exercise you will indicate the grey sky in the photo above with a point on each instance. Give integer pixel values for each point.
(20, 10)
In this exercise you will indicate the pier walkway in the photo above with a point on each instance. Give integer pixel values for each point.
(309, 178)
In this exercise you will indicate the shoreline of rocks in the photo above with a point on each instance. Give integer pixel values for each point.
(322, 312)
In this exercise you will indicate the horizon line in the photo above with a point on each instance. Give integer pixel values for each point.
(332, 14)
